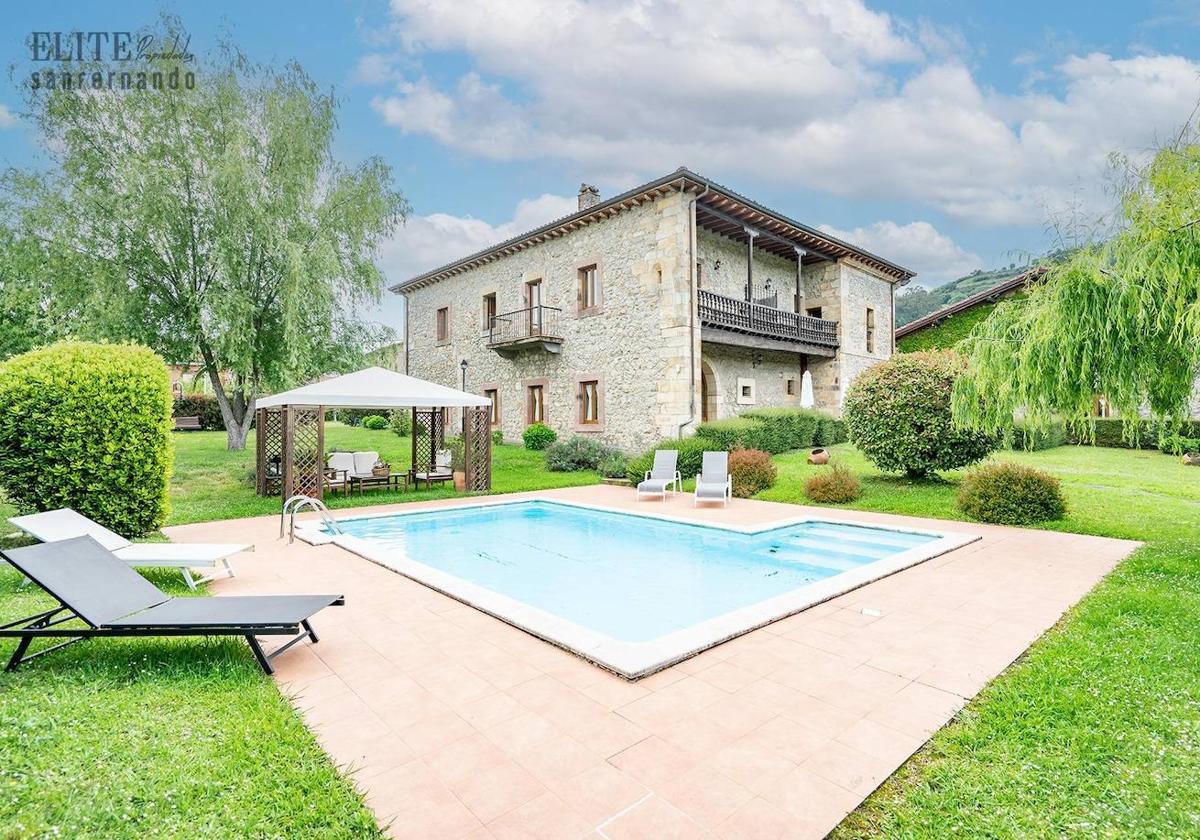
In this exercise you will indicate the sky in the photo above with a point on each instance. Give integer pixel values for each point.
(943, 136)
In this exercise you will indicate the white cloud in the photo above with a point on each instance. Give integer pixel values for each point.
(918, 246)
(805, 94)
(427, 242)
(7, 118)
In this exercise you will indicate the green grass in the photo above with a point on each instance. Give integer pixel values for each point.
(130, 738)
(212, 483)
(1095, 732)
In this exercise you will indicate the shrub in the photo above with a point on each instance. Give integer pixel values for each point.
(375, 422)
(835, 485)
(830, 431)
(497, 437)
(691, 456)
(204, 406)
(773, 430)
(752, 471)
(1034, 439)
(1179, 445)
(354, 416)
(1010, 494)
(458, 452)
(898, 414)
(538, 436)
(575, 453)
(87, 426)
(614, 465)
(400, 422)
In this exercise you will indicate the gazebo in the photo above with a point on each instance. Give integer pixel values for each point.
(291, 427)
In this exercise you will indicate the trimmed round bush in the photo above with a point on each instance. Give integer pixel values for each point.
(88, 426)
(691, 455)
(898, 414)
(375, 422)
(574, 454)
(1011, 494)
(834, 485)
(538, 436)
(752, 471)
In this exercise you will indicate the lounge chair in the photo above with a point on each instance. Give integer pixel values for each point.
(64, 523)
(714, 484)
(92, 585)
(338, 470)
(662, 476)
(442, 470)
(364, 462)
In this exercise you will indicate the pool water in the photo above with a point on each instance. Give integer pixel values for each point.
(632, 578)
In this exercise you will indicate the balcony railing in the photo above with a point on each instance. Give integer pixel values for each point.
(754, 319)
(534, 324)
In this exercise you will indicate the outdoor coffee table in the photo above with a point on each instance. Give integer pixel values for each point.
(391, 481)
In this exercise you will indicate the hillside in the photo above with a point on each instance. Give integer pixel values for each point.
(918, 301)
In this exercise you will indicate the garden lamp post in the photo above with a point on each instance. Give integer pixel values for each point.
(463, 367)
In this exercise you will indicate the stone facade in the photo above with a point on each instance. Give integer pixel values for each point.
(642, 342)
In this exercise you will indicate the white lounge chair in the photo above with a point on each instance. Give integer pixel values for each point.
(714, 484)
(364, 462)
(64, 524)
(662, 476)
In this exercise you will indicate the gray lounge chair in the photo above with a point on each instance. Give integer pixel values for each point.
(714, 484)
(92, 585)
(664, 475)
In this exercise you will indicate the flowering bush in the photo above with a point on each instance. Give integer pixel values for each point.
(752, 471)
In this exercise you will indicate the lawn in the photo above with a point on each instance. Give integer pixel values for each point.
(1094, 732)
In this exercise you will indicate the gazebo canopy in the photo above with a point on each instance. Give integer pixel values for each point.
(375, 387)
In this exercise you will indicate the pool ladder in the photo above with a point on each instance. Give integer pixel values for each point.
(295, 505)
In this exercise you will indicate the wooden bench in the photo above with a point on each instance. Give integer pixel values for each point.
(187, 424)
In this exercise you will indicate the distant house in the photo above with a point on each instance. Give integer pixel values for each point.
(949, 325)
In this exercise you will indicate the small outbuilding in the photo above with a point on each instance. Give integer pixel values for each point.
(291, 427)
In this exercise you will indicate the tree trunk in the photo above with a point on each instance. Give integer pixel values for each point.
(236, 412)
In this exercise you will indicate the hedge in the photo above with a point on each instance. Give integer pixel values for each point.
(88, 426)
(1110, 432)
(773, 430)
(204, 406)
(691, 456)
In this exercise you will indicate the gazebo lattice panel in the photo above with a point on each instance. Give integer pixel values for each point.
(269, 445)
(304, 458)
(477, 446)
(428, 436)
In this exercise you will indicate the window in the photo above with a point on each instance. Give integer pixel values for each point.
(493, 395)
(745, 391)
(489, 310)
(790, 387)
(813, 312)
(442, 329)
(537, 404)
(589, 402)
(589, 288)
(870, 330)
(699, 275)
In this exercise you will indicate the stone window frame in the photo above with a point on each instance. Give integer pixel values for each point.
(442, 341)
(601, 419)
(869, 330)
(744, 382)
(526, 384)
(496, 418)
(486, 321)
(580, 310)
(789, 387)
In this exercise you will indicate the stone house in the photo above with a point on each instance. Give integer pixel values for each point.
(639, 317)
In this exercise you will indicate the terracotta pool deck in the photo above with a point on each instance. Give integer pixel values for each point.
(457, 725)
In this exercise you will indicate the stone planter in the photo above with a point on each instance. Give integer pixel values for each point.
(818, 456)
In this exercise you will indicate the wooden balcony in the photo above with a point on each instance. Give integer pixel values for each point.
(726, 320)
(536, 327)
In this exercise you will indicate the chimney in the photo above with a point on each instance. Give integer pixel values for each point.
(589, 196)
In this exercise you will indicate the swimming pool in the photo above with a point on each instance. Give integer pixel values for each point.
(633, 593)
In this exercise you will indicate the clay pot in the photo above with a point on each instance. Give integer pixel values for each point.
(818, 456)
(460, 481)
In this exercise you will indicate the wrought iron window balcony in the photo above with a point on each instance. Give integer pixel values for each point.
(534, 326)
(753, 319)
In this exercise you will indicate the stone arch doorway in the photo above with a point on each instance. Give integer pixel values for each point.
(708, 393)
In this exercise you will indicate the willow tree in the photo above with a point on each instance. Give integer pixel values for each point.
(210, 220)
(1119, 318)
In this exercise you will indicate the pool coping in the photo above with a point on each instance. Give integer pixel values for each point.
(635, 660)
